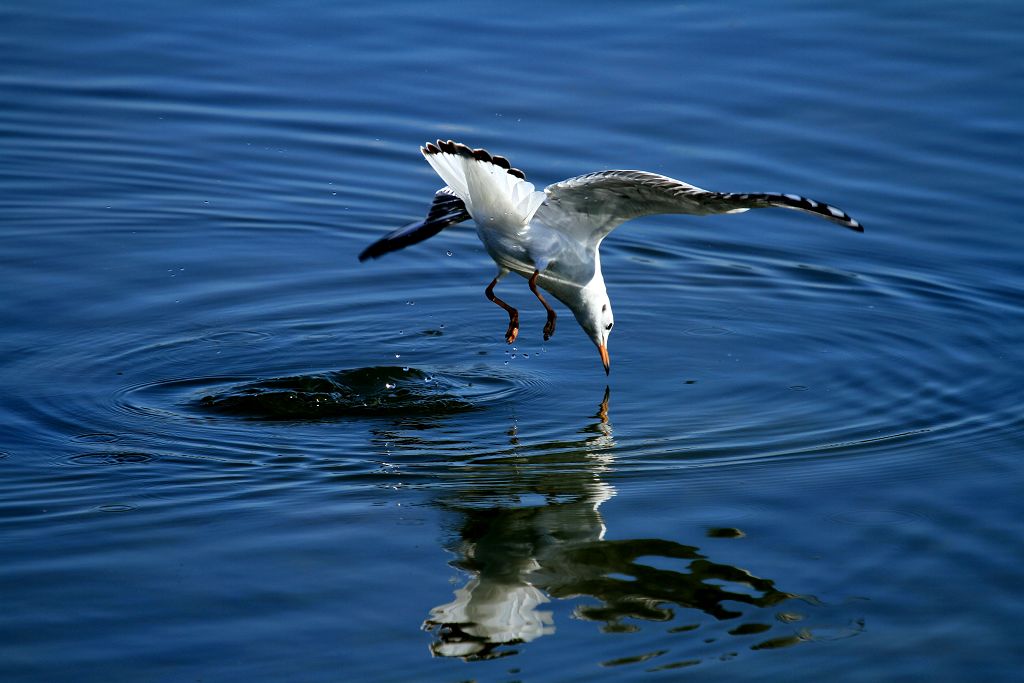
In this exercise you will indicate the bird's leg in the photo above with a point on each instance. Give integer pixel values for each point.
(513, 314)
(549, 326)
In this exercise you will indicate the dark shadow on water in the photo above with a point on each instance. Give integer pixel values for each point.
(373, 391)
(528, 533)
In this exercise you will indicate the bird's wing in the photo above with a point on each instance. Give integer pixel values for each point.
(446, 210)
(590, 206)
(497, 196)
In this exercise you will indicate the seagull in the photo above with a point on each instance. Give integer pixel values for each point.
(553, 238)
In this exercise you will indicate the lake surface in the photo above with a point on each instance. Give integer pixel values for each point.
(229, 451)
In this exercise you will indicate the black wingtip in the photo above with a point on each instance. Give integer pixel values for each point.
(452, 147)
(793, 201)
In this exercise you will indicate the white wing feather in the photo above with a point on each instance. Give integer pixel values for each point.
(490, 192)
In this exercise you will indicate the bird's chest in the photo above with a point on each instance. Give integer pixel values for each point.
(509, 246)
(531, 247)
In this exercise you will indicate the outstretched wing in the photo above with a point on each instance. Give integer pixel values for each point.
(446, 210)
(590, 206)
(496, 195)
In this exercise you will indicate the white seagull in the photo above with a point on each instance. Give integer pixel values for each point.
(552, 238)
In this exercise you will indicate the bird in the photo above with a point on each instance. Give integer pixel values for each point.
(553, 237)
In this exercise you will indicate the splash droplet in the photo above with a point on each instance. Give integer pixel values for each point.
(449, 252)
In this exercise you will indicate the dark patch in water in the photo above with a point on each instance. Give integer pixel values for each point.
(358, 392)
(746, 629)
(778, 643)
(725, 532)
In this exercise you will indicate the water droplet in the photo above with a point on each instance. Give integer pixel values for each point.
(506, 362)
(405, 369)
(389, 385)
(398, 355)
(526, 355)
(449, 252)
(513, 355)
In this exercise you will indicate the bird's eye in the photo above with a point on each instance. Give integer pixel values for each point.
(608, 326)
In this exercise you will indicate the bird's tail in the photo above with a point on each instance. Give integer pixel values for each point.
(491, 189)
(741, 202)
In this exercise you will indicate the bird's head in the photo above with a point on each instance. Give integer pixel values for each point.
(594, 314)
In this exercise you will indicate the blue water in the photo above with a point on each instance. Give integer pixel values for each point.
(805, 465)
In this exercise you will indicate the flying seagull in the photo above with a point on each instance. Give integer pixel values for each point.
(553, 238)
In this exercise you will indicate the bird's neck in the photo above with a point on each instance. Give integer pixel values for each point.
(594, 294)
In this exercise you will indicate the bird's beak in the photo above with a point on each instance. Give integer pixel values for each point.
(603, 350)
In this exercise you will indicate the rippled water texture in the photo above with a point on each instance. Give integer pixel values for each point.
(232, 452)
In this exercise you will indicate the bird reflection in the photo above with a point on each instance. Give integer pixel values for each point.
(531, 531)
(552, 503)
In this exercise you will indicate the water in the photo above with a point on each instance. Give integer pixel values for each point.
(232, 452)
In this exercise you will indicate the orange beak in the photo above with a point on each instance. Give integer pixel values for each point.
(603, 350)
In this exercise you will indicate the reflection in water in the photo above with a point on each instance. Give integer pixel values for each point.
(544, 539)
(550, 504)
